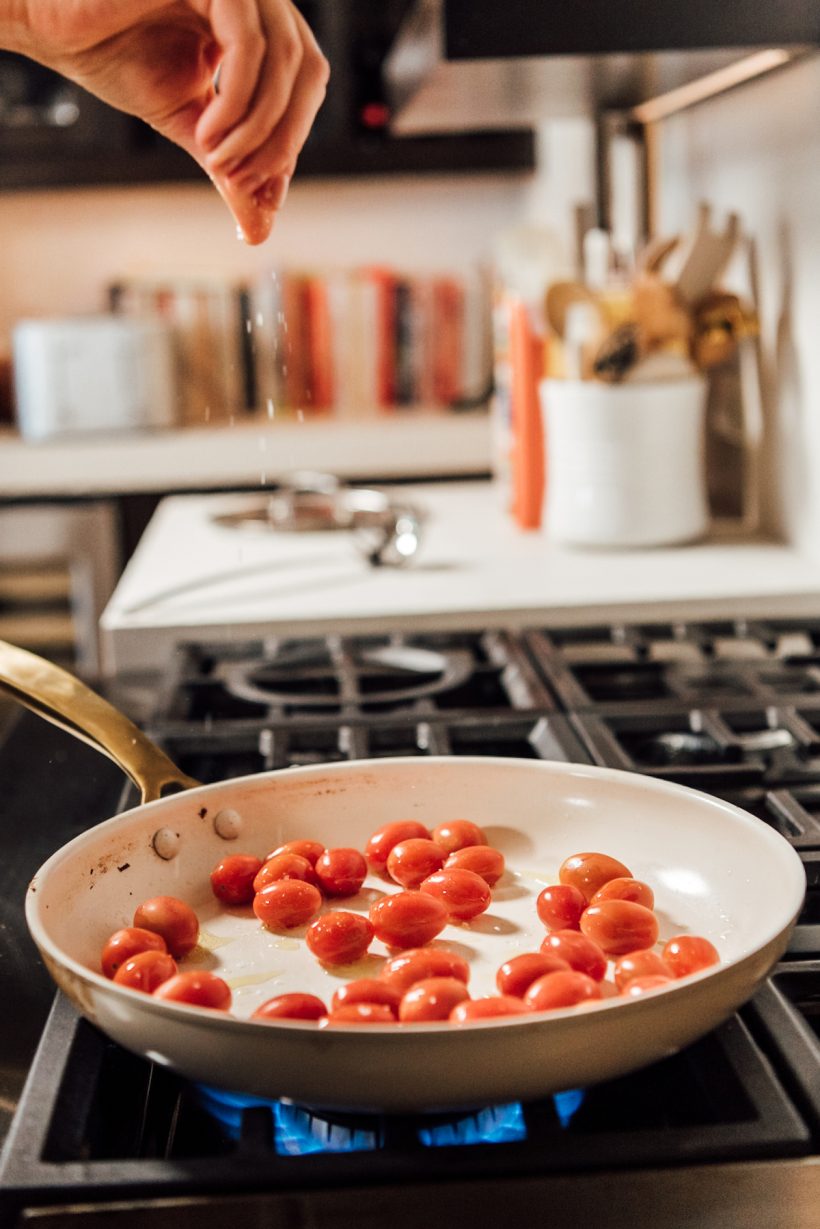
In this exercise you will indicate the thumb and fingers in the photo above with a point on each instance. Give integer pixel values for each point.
(272, 81)
(157, 59)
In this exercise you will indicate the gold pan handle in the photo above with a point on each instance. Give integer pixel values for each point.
(62, 699)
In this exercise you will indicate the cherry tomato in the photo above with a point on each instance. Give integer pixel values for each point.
(408, 919)
(367, 990)
(457, 834)
(171, 918)
(560, 906)
(590, 871)
(432, 999)
(383, 839)
(517, 974)
(562, 989)
(341, 872)
(620, 926)
(488, 1008)
(146, 971)
(482, 860)
(411, 861)
(296, 1006)
(284, 866)
(642, 985)
(635, 890)
(233, 879)
(463, 892)
(645, 963)
(418, 963)
(199, 988)
(686, 954)
(362, 1013)
(305, 849)
(128, 942)
(579, 952)
(339, 937)
(286, 903)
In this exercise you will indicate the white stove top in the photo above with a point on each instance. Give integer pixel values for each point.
(194, 578)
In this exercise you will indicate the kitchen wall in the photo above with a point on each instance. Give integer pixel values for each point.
(757, 151)
(61, 248)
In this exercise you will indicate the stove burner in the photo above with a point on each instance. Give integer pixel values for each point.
(300, 1131)
(296, 1130)
(374, 675)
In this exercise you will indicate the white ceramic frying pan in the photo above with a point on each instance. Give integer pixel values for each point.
(716, 871)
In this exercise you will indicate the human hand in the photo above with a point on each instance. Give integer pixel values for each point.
(157, 60)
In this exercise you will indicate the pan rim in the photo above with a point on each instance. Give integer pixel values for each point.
(560, 769)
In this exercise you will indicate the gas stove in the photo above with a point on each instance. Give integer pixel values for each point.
(725, 1133)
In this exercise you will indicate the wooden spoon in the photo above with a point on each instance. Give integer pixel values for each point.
(558, 298)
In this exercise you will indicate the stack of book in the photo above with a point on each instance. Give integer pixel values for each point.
(347, 344)
(209, 318)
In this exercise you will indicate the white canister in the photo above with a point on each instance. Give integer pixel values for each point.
(625, 462)
(93, 373)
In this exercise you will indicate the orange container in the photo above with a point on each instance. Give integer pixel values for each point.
(527, 459)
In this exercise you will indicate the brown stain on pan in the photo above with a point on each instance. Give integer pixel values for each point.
(327, 785)
(116, 860)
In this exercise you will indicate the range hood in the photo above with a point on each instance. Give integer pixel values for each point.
(470, 65)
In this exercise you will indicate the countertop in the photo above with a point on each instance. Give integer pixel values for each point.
(194, 578)
(247, 453)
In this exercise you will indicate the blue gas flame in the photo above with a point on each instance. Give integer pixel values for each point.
(297, 1131)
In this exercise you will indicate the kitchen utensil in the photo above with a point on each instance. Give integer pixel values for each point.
(583, 331)
(659, 313)
(597, 254)
(387, 530)
(707, 256)
(721, 321)
(655, 251)
(618, 353)
(559, 297)
(716, 870)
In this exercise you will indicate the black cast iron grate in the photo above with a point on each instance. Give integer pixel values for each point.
(354, 675)
(113, 1124)
(682, 663)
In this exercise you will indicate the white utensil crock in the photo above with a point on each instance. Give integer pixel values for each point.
(625, 462)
